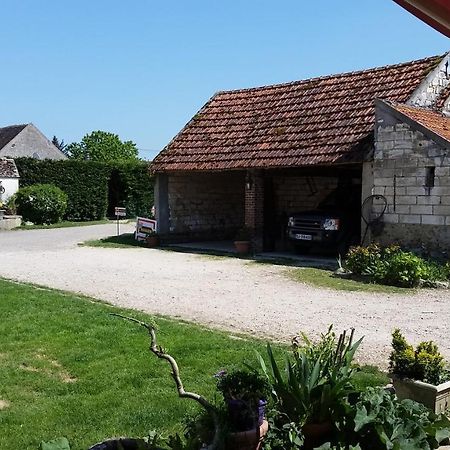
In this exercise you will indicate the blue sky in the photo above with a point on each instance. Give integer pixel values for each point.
(141, 69)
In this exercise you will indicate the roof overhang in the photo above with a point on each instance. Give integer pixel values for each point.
(435, 13)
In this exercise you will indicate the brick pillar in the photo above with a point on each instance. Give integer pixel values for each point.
(254, 207)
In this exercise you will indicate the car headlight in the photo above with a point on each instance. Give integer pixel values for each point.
(291, 222)
(331, 224)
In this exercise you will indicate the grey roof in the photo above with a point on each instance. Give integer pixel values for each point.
(8, 168)
(9, 133)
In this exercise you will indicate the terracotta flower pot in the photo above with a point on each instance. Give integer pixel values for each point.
(152, 241)
(316, 434)
(242, 247)
(247, 440)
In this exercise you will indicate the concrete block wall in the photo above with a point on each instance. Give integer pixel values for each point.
(297, 194)
(416, 215)
(206, 204)
(430, 90)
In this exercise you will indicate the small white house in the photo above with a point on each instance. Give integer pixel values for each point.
(9, 179)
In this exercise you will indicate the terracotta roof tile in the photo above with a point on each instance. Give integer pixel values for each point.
(315, 121)
(434, 121)
(8, 168)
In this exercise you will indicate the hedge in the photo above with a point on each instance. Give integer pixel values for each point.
(87, 185)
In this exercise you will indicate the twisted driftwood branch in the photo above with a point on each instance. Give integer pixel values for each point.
(161, 354)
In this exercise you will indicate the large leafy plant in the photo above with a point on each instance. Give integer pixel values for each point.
(376, 420)
(312, 388)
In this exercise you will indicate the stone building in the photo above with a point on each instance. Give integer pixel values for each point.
(26, 140)
(253, 156)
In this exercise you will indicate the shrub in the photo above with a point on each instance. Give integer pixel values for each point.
(87, 184)
(423, 364)
(41, 203)
(394, 266)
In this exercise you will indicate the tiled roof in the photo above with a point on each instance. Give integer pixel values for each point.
(315, 121)
(434, 121)
(9, 133)
(8, 168)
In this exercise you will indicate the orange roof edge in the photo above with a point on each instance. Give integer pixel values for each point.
(435, 13)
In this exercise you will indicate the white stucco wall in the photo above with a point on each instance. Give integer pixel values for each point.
(11, 186)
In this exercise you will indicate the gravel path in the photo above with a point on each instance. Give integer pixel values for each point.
(226, 293)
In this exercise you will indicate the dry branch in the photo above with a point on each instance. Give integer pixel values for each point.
(161, 354)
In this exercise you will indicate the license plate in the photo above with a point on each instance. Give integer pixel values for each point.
(303, 237)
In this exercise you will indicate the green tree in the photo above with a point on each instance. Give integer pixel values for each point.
(103, 146)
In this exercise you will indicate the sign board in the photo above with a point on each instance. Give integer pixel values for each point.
(120, 212)
(144, 228)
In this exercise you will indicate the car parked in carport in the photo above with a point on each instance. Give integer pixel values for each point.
(334, 225)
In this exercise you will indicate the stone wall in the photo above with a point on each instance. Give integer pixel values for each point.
(297, 194)
(417, 215)
(206, 205)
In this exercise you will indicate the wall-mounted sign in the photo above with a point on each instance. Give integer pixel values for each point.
(144, 228)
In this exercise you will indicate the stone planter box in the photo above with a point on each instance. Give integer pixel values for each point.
(437, 398)
(10, 222)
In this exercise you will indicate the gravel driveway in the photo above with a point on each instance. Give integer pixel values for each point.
(226, 293)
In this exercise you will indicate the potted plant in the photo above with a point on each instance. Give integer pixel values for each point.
(250, 390)
(242, 241)
(420, 374)
(313, 389)
(244, 393)
(152, 239)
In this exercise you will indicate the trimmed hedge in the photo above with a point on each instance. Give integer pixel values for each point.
(87, 185)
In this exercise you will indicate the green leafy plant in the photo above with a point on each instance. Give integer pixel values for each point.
(41, 203)
(314, 386)
(56, 444)
(242, 385)
(244, 393)
(393, 266)
(425, 363)
(376, 420)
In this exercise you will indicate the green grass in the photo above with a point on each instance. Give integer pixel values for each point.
(68, 368)
(64, 224)
(325, 279)
(125, 240)
(368, 376)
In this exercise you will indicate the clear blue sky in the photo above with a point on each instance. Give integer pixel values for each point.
(142, 68)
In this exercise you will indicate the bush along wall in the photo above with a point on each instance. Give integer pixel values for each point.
(88, 185)
(131, 186)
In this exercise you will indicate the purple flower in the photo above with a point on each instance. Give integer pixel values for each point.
(220, 373)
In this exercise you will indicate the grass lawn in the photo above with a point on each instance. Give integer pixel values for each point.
(124, 240)
(325, 279)
(64, 224)
(70, 369)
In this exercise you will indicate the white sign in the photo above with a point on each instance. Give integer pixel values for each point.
(144, 228)
(120, 212)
